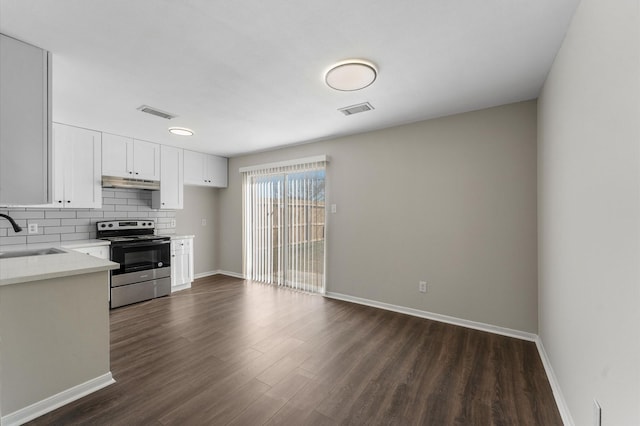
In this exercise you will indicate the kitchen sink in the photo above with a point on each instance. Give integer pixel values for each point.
(33, 252)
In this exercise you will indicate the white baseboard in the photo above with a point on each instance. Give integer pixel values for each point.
(555, 386)
(204, 274)
(436, 317)
(180, 287)
(219, 272)
(39, 408)
(230, 274)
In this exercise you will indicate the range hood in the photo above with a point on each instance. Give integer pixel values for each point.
(120, 182)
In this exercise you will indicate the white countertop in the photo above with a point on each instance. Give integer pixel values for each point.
(17, 270)
(84, 243)
(64, 244)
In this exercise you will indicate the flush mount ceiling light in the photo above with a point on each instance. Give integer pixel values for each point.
(352, 74)
(181, 131)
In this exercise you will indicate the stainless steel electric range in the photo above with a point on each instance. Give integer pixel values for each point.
(144, 258)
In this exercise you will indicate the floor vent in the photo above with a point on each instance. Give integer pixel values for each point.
(354, 109)
(156, 112)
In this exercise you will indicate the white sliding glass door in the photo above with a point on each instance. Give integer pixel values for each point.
(284, 226)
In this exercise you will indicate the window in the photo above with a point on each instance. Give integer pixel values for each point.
(284, 224)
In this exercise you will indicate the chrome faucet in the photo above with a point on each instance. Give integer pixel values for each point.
(16, 228)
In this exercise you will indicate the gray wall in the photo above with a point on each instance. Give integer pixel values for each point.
(59, 225)
(589, 213)
(451, 201)
(201, 203)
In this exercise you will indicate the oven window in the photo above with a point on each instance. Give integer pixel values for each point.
(133, 259)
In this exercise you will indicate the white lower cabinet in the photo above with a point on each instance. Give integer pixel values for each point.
(181, 263)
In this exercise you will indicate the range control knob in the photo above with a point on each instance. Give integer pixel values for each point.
(111, 225)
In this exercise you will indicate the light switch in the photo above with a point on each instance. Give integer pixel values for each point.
(204, 222)
(334, 208)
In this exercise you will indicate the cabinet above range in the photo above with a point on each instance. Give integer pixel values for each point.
(130, 158)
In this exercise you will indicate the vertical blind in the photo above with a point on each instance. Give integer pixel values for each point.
(284, 224)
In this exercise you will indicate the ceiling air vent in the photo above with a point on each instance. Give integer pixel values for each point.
(354, 109)
(156, 112)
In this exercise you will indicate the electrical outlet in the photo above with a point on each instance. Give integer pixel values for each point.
(422, 286)
(33, 228)
(597, 414)
(173, 223)
(334, 208)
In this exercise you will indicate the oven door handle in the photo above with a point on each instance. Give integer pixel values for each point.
(142, 244)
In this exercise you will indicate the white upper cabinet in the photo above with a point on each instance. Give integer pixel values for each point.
(170, 195)
(25, 123)
(146, 160)
(77, 170)
(205, 169)
(117, 155)
(130, 158)
(216, 170)
(194, 168)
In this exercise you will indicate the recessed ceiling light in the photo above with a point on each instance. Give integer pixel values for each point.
(181, 131)
(352, 74)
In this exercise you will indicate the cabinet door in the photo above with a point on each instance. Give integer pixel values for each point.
(76, 167)
(83, 171)
(216, 168)
(170, 195)
(117, 155)
(24, 123)
(146, 160)
(181, 269)
(179, 266)
(194, 168)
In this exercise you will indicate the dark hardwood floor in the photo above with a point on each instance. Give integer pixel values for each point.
(231, 352)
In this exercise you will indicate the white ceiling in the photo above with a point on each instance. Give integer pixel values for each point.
(247, 75)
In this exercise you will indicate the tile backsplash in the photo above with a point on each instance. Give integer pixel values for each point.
(59, 225)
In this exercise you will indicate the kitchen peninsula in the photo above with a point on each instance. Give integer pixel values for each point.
(54, 331)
